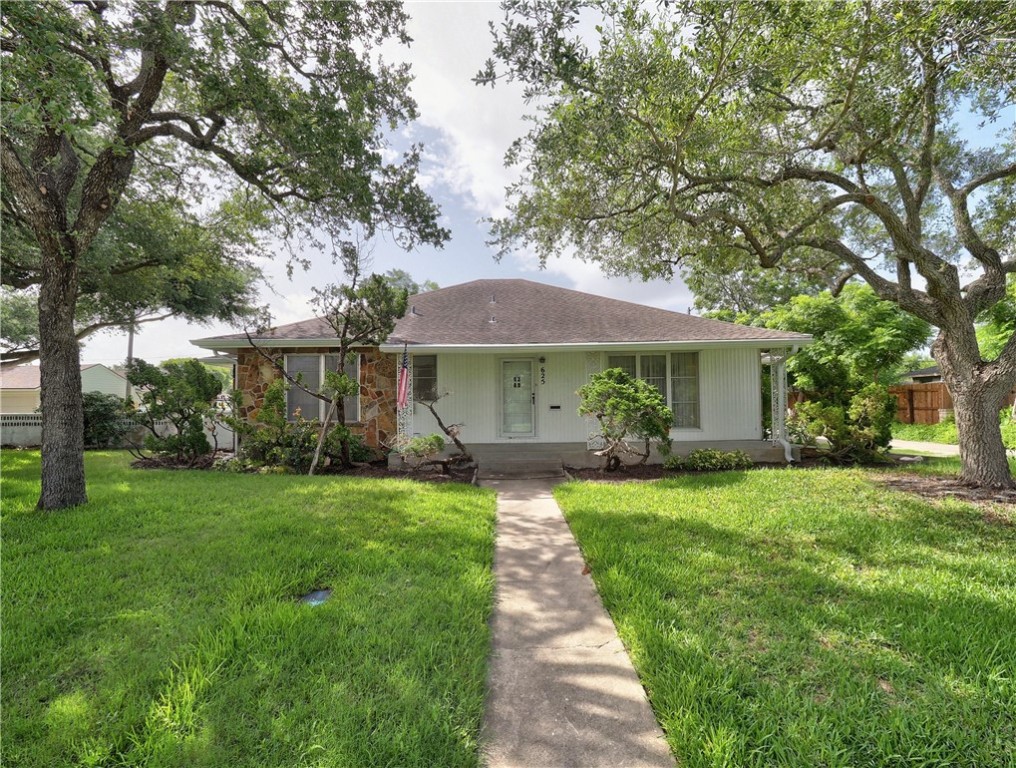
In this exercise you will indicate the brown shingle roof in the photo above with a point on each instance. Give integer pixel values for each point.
(509, 312)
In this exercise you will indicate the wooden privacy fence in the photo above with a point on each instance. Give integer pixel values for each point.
(924, 403)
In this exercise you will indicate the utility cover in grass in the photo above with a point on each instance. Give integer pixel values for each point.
(316, 597)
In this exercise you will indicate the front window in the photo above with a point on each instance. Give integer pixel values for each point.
(679, 368)
(684, 389)
(311, 370)
(425, 377)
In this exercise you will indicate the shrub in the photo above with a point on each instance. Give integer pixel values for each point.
(858, 433)
(709, 460)
(106, 422)
(423, 446)
(181, 393)
(275, 441)
(626, 408)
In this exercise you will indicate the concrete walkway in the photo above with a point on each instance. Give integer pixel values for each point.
(562, 691)
(931, 449)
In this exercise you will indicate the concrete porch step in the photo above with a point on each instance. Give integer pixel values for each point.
(506, 468)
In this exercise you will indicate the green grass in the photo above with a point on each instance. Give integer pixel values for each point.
(937, 465)
(158, 625)
(809, 618)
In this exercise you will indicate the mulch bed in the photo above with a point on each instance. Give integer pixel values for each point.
(939, 487)
(375, 469)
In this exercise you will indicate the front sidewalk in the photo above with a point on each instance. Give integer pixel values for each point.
(562, 691)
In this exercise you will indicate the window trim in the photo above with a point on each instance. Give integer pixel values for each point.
(668, 396)
(321, 356)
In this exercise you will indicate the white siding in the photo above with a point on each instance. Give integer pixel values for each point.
(730, 396)
(99, 378)
(19, 400)
(729, 385)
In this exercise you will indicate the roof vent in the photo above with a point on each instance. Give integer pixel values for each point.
(413, 311)
(492, 319)
(493, 298)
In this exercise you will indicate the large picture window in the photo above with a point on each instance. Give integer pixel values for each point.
(679, 368)
(311, 369)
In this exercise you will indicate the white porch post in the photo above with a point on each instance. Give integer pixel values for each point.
(778, 393)
(404, 416)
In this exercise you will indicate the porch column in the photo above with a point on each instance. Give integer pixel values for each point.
(404, 416)
(778, 393)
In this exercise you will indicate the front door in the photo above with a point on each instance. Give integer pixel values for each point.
(518, 400)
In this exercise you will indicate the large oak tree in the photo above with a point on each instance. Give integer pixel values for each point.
(287, 101)
(695, 134)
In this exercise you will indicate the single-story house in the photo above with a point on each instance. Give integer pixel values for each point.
(20, 386)
(928, 375)
(507, 356)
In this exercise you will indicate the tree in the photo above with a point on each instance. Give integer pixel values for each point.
(220, 372)
(182, 394)
(625, 408)
(141, 103)
(399, 278)
(998, 324)
(859, 340)
(190, 267)
(361, 312)
(774, 134)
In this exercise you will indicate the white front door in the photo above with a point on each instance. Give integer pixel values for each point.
(518, 400)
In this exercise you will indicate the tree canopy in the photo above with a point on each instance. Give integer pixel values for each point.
(721, 137)
(859, 340)
(142, 105)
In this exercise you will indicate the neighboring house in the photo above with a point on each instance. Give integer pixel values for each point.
(20, 387)
(928, 375)
(507, 357)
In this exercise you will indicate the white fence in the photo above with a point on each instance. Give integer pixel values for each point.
(24, 430)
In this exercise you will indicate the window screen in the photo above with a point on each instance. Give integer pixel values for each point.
(684, 389)
(425, 377)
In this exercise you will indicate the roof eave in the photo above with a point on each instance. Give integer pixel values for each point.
(397, 346)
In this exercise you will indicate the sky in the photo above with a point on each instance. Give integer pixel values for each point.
(465, 130)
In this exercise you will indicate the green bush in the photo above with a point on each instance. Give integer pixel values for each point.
(856, 434)
(626, 408)
(181, 393)
(709, 460)
(106, 422)
(275, 441)
(423, 446)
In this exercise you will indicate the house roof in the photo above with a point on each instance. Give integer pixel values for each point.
(491, 313)
(931, 370)
(27, 376)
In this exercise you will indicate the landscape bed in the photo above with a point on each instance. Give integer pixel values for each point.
(800, 618)
(160, 624)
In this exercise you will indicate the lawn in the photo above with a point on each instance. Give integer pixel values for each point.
(159, 624)
(809, 617)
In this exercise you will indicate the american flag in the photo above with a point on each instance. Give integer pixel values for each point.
(403, 399)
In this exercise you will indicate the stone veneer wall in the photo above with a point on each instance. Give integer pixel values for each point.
(378, 385)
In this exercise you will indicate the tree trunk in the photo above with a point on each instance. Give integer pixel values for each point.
(322, 434)
(977, 400)
(63, 463)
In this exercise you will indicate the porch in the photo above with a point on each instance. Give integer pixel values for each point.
(523, 457)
